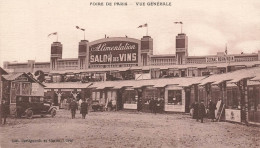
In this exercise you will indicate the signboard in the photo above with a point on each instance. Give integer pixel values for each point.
(144, 76)
(130, 106)
(175, 108)
(233, 115)
(67, 89)
(113, 52)
(46, 90)
(35, 87)
(220, 59)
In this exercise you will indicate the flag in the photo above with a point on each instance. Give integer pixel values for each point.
(80, 28)
(54, 33)
(144, 25)
(178, 22)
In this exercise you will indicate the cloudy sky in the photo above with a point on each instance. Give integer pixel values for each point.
(209, 24)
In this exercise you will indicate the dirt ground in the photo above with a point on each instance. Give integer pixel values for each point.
(125, 129)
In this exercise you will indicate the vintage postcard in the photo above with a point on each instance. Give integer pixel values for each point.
(129, 73)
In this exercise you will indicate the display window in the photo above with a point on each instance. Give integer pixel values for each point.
(233, 98)
(175, 97)
(130, 96)
(151, 93)
(254, 98)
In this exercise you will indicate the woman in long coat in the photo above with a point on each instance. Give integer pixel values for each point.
(195, 107)
(202, 111)
(84, 108)
(212, 108)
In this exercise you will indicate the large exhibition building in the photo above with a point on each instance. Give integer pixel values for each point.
(120, 58)
(125, 70)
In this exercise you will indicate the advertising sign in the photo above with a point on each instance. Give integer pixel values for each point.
(233, 115)
(130, 106)
(220, 59)
(113, 52)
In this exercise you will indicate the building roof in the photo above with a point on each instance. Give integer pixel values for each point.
(249, 63)
(68, 59)
(2, 71)
(163, 56)
(67, 85)
(14, 76)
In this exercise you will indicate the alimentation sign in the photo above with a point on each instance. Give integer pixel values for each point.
(113, 52)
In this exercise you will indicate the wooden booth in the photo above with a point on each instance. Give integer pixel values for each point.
(18, 86)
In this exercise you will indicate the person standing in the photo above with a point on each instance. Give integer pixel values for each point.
(4, 110)
(73, 107)
(139, 104)
(195, 107)
(155, 105)
(161, 105)
(201, 112)
(80, 101)
(212, 108)
(84, 108)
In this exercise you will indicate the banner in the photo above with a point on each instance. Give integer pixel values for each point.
(113, 52)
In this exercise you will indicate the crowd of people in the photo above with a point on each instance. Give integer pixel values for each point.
(198, 111)
(156, 105)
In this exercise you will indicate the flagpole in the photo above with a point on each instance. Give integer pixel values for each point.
(110, 63)
(147, 31)
(84, 34)
(57, 37)
(181, 28)
(226, 58)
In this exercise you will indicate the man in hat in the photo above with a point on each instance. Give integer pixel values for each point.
(73, 107)
(201, 112)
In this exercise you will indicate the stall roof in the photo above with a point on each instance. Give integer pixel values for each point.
(183, 82)
(233, 77)
(253, 83)
(257, 78)
(67, 85)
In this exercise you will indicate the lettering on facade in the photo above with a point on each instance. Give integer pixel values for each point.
(220, 59)
(67, 89)
(113, 52)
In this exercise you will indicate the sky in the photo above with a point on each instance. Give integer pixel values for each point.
(210, 25)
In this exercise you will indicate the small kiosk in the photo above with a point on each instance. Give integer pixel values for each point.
(21, 85)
